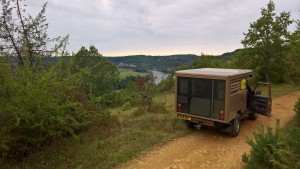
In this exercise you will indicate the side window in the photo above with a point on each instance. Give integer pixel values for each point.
(219, 90)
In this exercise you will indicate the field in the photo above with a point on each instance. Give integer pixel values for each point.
(127, 72)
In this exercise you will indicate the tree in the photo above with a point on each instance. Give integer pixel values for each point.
(266, 44)
(99, 75)
(25, 37)
(147, 91)
(37, 103)
(295, 40)
(294, 54)
(39, 106)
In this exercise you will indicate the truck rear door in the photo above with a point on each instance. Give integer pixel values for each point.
(201, 97)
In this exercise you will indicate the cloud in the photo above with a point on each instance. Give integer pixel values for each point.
(119, 27)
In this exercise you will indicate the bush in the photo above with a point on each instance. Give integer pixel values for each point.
(159, 107)
(39, 106)
(297, 107)
(126, 106)
(118, 98)
(268, 150)
(293, 140)
(166, 85)
(138, 112)
(111, 99)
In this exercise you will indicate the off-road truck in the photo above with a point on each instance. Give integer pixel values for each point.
(219, 98)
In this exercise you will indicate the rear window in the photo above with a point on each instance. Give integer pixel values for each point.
(201, 88)
(183, 86)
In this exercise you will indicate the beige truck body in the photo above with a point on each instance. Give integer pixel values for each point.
(235, 95)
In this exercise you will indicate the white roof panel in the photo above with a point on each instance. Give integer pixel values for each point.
(214, 72)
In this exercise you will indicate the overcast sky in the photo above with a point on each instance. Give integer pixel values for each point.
(155, 27)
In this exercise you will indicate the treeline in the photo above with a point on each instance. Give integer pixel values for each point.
(144, 63)
(165, 64)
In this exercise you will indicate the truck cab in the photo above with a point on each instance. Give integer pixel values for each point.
(219, 97)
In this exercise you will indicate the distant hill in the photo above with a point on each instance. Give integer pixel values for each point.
(228, 55)
(143, 63)
(161, 63)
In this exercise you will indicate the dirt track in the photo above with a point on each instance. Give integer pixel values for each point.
(209, 148)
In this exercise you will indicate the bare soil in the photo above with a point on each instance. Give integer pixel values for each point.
(210, 148)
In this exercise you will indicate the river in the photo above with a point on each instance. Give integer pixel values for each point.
(159, 76)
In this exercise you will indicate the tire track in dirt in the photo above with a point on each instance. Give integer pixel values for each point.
(209, 148)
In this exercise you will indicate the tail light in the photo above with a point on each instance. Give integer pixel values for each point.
(221, 112)
(179, 107)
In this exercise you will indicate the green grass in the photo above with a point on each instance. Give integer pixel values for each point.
(127, 72)
(279, 90)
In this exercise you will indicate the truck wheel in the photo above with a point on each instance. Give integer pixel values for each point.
(236, 125)
(253, 116)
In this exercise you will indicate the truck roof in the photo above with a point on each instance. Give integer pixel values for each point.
(214, 72)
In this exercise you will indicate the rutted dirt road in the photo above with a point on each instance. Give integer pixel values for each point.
(209, 148)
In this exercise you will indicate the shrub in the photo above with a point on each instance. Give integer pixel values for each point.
(126, 106)
(159, 107)
(293, 137)
(293, 140)
(268, 150)
(132, 94)
(166, 85)
(39, 106)
(111, 99)
(297, 107)
(138, 112)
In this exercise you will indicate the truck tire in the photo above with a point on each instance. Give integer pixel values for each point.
(253, 116)
(236, 126)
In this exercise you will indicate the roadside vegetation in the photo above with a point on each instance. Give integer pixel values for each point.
(278, 62)
(277, 147)
(84, 112)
